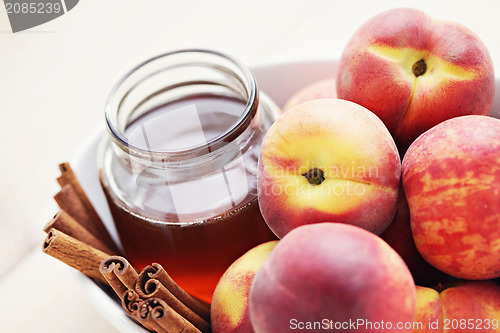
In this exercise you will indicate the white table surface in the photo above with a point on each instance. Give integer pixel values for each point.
(54, 80)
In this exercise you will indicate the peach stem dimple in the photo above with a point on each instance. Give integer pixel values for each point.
(315, 176)
(419, 68)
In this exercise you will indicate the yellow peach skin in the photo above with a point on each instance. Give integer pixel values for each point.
(229, 309)
(414, 71)
(328, 160)
(451, 177)
(429, 313)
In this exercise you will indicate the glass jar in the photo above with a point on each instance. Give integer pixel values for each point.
(179, 165)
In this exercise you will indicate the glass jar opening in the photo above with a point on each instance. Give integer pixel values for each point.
(152, 113)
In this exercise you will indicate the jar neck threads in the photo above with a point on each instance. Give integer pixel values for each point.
(169, 78)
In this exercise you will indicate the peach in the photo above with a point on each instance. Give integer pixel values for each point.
(429, 315)
(467, 306)
(471, 302)
(328, 160)
(451, 177)
(399, 236)
(414, 71)
(325, 276)
(316, 90)
(229, 309)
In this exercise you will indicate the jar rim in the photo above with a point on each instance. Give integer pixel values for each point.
(213, 144)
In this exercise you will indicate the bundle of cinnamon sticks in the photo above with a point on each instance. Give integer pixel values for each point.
(77, 236)
(154, 299)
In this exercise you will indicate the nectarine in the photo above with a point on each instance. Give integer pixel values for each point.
(467, 306)
(399, 236)
(324, 276)
(414, 71)
(229, 310)
(328, 160)
(451, 177)
(316, 90)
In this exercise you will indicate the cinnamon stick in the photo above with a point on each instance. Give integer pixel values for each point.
(85, 212)
(69, 201)
(148, 288)
(68, 177)
(112, 279)
(166, 317)
(62, 221)
(156, 271)
(120, 275)
(131, 303)
(75, 253)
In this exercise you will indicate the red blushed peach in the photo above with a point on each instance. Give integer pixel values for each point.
(229, 309)
(317, 90)
(472, 306)
(414, 72)
(328, 160)
(451, 177)
(467, 306)
(399, 236)
(323, 274)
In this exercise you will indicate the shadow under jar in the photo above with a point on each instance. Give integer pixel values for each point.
(179, 165)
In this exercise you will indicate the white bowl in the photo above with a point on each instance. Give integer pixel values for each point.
(278, 79)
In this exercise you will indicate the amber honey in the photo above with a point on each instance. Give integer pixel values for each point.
(195, 254)
(180, 166)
